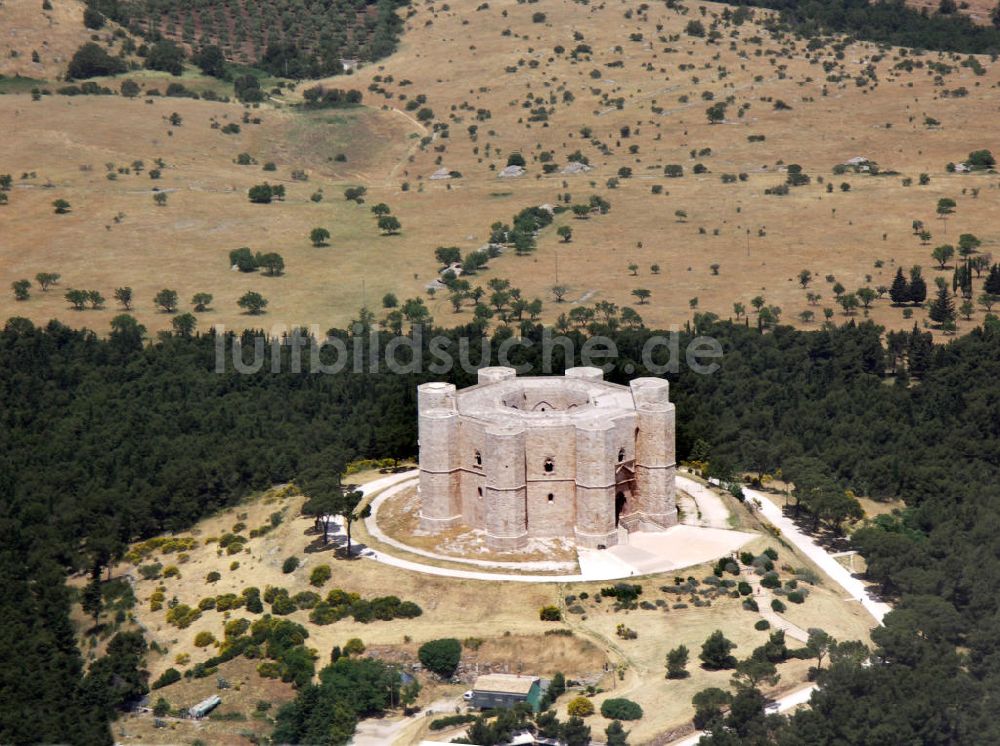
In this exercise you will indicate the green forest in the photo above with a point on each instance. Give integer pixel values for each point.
(105, 439)
(886, 22)
(287, 39)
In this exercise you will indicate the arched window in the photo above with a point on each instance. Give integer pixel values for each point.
(621, 455)
(549, 465)
(479, 459)
(479, 490)
(551, 497)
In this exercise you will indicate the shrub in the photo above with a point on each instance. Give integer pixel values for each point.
(290, 565)
(621, 709)
(168, 677)
(777, 606)
(354, 646)
(450, 721)
(796, 597)
(319, 575)
(761, 624)
(203, 639)
(550, 614)
(213, 577)
(283, 605)
(441, 656)
(580, 707)
(150, 572)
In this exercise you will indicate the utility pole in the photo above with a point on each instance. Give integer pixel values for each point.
(557, 266)
(748, 242)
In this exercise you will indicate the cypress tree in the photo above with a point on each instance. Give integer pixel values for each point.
(992, 284)
(942, 309)
(900, 291)
(918, 288)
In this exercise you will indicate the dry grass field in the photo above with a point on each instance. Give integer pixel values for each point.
(504, 618)
(26, 27)
(457, 58)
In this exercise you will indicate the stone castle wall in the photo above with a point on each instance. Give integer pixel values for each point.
(570, 456)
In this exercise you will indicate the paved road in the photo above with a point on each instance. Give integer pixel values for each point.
(805, 544)
(834, 570)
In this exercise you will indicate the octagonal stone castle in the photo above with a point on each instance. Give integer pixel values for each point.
(568, 456)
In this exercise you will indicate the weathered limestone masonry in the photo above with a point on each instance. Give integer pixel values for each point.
(571, 456)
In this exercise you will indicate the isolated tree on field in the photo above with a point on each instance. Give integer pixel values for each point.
(6, 182)
(716, 652)
(95, 298)
(581, 211)
(866, 296)
(677, 660)
(261, 194)
(389, 225)
(925, 237)
(272, 263)
(739, 310)
(77, 298)
(175, 119)
(681, 215)
(166, 299)
(633, 269)
(849, 302)
(716, 112)
(448, 255)
(945, 207)
(201, 302)
(184, 324)
(46, 279)
(61, 206)
(381, 209)
(654, 269)
(942, 254)
(987, 300)
(642, 294)
(124, 296)
(805, 277)
(968, 244)
(319, 236)
(22, 289)
(252, 302)
(819, 644)
(967, 309)
(160, 198)
(559, 291)
(565, 233)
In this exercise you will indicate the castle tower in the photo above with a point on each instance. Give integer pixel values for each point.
(655, 461)
(595, 484)
(506, 489)
(438, 434)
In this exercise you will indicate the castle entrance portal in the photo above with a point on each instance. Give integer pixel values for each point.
(619, 505)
